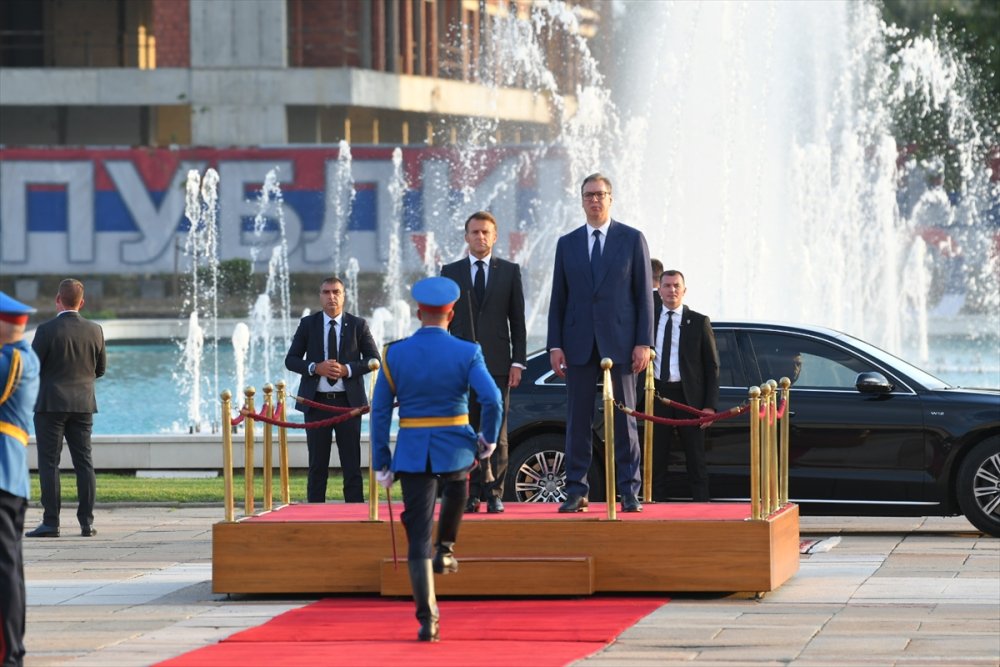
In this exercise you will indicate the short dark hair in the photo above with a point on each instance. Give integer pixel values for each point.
(71, 293)
(596, 176)
(657, 267)
(481, 215)
(333, 279)
(672, 272)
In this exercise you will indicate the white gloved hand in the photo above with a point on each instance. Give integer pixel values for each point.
(485, 449)
(384, 478)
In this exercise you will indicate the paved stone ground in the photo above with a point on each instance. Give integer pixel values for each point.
(891, 592)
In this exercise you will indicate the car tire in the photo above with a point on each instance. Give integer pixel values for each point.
(979, 486)
(536, 472)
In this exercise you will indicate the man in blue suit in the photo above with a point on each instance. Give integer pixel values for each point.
(601, 306)
(430, 373)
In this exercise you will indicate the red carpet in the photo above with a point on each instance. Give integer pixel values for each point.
(519, 511)
(486, 633)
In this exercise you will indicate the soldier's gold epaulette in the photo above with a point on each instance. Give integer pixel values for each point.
(386, 373)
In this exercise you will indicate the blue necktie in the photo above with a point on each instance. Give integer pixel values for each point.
(595, 255)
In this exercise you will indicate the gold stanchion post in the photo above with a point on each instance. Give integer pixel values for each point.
(609, 440)
(772, 452)
(765, 448)
(373, 366)
(268, 463)
(227, 455)
(783, 461)
(755, 512)
(286, 494)
(647, 435)
(248, 433)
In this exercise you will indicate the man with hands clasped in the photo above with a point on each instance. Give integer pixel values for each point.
(430, 374)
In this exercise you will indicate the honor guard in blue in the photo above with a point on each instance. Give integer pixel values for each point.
(429, 374)
(19, 368)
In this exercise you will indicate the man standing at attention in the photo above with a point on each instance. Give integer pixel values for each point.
(430, 374)
(72, 353)
(19, 369)
(490, 311)
(601, 306)
(686, 370)
(331, 350)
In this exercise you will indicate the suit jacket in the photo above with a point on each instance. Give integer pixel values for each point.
(498, 323)
(430, 374)
(73, 355)
(698, 359)
(355, 347)
(615, 310)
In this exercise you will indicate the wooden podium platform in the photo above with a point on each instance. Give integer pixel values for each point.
(530, 549)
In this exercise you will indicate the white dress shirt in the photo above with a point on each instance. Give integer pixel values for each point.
(324, 383)
(673, 373)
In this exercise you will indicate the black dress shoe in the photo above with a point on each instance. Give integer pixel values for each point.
(471, 505)
(88, 531)
(630, 503)
(444, 562)
(494, 506)
(574, 504)
(43, 531)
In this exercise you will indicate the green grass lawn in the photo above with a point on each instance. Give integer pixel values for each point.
(118, 488)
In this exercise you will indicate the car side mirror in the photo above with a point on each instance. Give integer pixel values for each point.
(872, 383)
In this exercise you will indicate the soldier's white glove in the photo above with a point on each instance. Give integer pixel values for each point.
(384, 478)
(485, 449)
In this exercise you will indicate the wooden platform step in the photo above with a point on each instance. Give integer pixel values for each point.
(544, 575)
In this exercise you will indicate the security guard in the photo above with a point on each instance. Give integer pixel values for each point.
(19, 368)
(430, 373)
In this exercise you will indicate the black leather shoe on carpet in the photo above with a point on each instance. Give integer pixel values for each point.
(494, 506)
(630, 503)
(574, 504)
(43, 531)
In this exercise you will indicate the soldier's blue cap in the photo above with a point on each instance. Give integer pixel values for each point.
(12, 310)
(436, 294)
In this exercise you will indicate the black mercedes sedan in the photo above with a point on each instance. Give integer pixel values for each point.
(870, 433)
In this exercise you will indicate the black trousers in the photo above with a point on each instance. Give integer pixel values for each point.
(319, 442)
(498, 460)
(419, 494)
(12, 596)
(692, 439)
(50, 428)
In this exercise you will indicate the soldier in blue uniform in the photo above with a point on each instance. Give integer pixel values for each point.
(19, 368)
(430, 373)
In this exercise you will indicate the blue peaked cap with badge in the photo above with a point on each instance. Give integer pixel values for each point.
(12, 310)
(436, 294)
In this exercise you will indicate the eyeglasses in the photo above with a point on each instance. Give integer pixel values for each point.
(595, 196)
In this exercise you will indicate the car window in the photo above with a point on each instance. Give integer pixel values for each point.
(807, 362)
(731, 373)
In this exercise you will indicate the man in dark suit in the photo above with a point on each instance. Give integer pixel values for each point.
(73, 355)
(331, 350)
(657, 269)
(601, 306)
(490, 311)
(686, 370)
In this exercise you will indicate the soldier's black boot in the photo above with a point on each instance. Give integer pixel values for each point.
(449, 518)
(422, 583)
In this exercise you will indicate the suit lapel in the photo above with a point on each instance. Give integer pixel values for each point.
(345, 331)
(491, 281)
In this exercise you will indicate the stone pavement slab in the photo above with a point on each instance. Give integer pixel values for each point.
(892, 592)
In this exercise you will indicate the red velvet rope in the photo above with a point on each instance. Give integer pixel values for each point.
(236, 421)
(355, 412)
(685, 408)
(706, 419)
(321, 406)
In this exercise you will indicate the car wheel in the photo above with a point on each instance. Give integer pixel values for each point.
(979, 486)
(537, 471)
